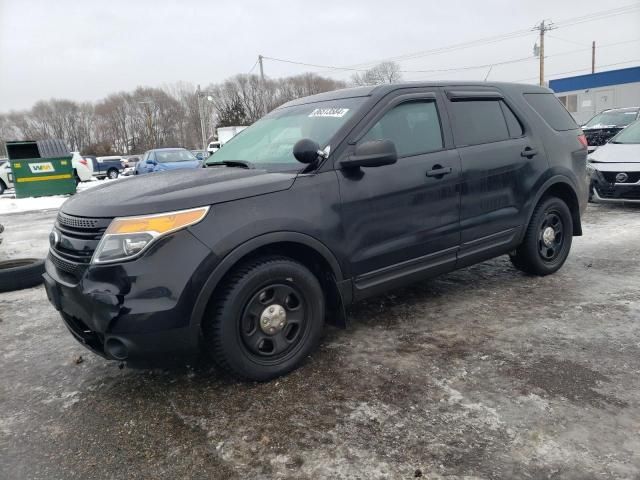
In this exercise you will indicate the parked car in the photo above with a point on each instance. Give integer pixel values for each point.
(163, 159)
(108, 167)
(82, 167)
(603, 126)
(131, 161)
(200, 154)
(615, 168)
(327, 200)
(213, 147)
(5, 180)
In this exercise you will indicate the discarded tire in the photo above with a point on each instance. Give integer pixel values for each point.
(20, 273)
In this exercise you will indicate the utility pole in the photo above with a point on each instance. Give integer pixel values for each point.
(261, 68)
(542, 28)
(202, 121)
(593, 57)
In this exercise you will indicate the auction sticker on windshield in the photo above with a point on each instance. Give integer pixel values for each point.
(42, 167)
(329, 112)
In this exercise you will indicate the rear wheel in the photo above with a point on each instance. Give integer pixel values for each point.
(3, 187)
(266, 319)
(548, 239)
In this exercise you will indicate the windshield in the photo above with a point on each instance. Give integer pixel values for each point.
(268, 143)
(170, 156)
(631, 134)
(613, 118)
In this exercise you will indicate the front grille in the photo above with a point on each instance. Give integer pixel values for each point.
(79, 238)
(621, 193)
(75, 269)
(77, 222)
(610, 177)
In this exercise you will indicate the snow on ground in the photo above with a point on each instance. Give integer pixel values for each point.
(10, 204)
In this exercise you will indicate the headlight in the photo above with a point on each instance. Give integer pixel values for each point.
(128, 237)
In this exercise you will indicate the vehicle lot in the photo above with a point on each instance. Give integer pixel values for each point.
(484, 373)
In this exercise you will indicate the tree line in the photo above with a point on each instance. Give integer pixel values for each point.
(135, 121)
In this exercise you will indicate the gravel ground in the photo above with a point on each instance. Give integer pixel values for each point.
(482, 373)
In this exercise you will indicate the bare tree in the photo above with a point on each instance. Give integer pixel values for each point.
(385, 72)
(131, 122)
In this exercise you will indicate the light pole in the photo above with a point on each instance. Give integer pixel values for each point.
(202, 95)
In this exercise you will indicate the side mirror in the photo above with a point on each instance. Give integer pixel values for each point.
(150, 161)
(374, 153)
(306, 150)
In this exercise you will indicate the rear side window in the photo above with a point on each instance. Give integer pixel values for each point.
(549, 107)
(478, 121)
(414, 127)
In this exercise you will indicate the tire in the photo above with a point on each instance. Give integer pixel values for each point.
(234, 332)
(76, 177)
(538, 255)
(112, 173)
(3, 187)
(20, 273)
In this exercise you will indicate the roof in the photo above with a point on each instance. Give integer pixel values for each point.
(382, 90)
(166, 149)
(595, 80)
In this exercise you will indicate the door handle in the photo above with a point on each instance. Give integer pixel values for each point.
(439, 171)
(529, 152)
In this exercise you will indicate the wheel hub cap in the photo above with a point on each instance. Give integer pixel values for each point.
(273, 319)
(548, 236)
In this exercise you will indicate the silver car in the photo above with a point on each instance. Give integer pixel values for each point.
(615, 168)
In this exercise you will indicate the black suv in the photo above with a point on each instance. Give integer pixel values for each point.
(326, 200)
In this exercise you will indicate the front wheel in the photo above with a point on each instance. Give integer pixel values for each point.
(548, 239)
(112, 174)
(267, 318)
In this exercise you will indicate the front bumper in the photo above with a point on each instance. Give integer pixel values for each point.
(139, 309)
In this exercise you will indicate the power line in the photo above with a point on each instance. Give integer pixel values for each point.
(579, 70)
(507, 36)
(565, 40)
(483, 41)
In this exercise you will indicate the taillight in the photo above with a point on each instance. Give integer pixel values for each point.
(84, 162)
(583, 140)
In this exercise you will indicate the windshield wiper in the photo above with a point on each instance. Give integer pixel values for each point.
(232, 163)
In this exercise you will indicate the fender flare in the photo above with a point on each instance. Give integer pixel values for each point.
(556, 179)
(246, 248)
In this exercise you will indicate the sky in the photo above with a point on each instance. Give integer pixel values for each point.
(85, 50)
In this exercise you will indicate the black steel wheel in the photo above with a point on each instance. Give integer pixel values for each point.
(266, 318)
(548, 238)
(274, 321)
(551, 236)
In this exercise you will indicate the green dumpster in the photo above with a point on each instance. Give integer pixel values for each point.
(41, 168)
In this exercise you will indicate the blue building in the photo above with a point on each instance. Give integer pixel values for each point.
(586, 95)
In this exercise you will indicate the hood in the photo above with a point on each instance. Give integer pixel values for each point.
(174, 190)
(616, 157)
